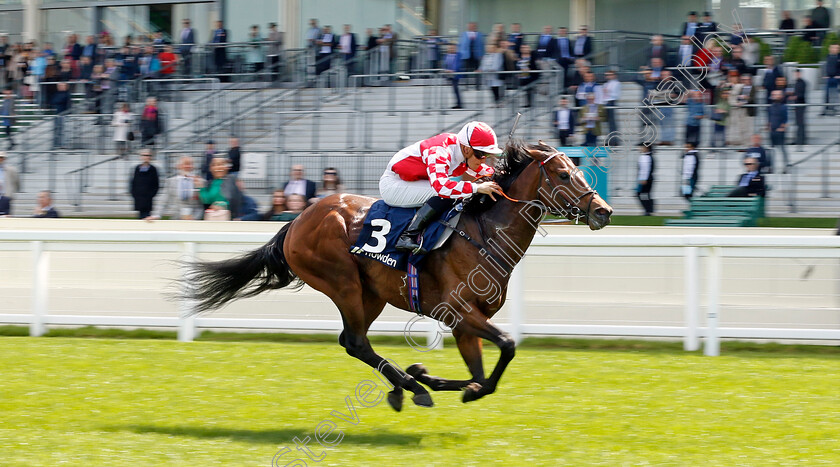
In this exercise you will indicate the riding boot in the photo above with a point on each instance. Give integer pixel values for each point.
(408, 240)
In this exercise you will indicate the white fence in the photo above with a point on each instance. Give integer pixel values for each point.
(705, 263)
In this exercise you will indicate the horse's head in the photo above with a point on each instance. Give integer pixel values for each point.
(563, 189)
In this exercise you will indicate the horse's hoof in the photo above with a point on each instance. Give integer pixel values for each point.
(395, 399)
(417, 370)
(472, 392)
(423, 400)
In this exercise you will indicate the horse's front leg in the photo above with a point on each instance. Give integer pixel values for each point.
(480, 327)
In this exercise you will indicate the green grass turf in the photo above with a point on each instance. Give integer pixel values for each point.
(153, 402)
(789, 222)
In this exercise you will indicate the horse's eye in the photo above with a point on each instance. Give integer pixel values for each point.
(564, 175)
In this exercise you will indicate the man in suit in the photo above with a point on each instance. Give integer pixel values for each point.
(180, 195)
(751, 182)
(564, 53)
(545, 46)
(691, 27)
(515, 38)
(144, 185)
(471, 47)
(297, 185)
(591, 116)
(45, 208)
(326, 44)
(757, 152)
(583, 43)
(7, 114)
(564, 121)
(657, 49)
(220, 36)
(644, 177)
(777, 116)
(275, 47)
(9, 183)
(771, 72)
(234, 156)
(452, 64)
(800, 90)
(832, 74)
(706, 27)
(347, 46)
(690, 170)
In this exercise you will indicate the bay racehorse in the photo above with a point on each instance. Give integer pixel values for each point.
(314, 249)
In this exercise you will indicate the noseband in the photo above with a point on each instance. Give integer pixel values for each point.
(569, 207)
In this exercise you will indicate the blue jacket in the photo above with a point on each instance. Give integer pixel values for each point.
(464, 46)
(695, 108)
(777, 115)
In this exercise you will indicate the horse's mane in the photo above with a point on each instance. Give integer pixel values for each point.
(508, 167)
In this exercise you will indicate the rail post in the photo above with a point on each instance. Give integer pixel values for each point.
(692, 278)
(517, 301)
(713, 269)
(40, 288)
(186, 328)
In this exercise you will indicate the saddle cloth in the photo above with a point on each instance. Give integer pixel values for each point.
(383, 226)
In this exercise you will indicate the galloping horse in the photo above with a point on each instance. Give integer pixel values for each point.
(314, 249)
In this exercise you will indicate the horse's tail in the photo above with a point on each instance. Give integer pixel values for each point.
(212, 284)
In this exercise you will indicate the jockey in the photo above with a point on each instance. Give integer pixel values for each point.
(430, 174)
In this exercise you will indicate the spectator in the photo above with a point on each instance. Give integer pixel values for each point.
(234, 156)
(122, 128)
(564, 49)
(299, 185)
(658, 49)
(588, 86)
(497, 35)
(151, 123)
(278, 208)
(751, 182)
(9, 183)
(348, 46)
(65, 72)
(527, 62)
(61, 103)
(685, 52)
(592, 116)
(256, 54)
(144, 185)
(611, 93)
(7, 115)
(180, 194)
(707, 27)
(515, 38)
(583, 43)
(696, 113)
(810, 36)
(209, 155)
(737, 62)
(546, 45)
(800, 91)
(644, 176)
(452, 65)
(690, 170)
(295, 204)
(777, 124)
(45, 208)
(471, 47)
(720, 115)
(168, 62)
(771, 72)
(757, 152)
(325, 43)
(493, 62)
(224, 192)
(657, 65)
(691, 27)
(390, 38)
(220, 37)
(821, 17)
(330, 185)
(787, 22)
(564, 121)
(832, 74)
(275, 48)
(89, 50)
(742, 112)
(668, 96)
(509, 59)
(313, 34)
(187, 43)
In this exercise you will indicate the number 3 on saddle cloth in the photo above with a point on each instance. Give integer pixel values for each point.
(383, 226)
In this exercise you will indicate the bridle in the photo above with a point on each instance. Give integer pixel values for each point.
(569, 207)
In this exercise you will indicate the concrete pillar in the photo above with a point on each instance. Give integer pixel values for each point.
(31, 20)
(581, 12)
(290, 23)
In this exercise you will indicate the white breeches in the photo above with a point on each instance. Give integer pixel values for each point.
(400, 193)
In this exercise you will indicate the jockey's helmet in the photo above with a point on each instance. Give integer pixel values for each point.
(479, 136)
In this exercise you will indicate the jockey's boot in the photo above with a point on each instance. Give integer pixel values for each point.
(408, 239)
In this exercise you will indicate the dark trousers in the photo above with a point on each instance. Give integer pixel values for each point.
(799, 112)
(497, 93)
(456, 91)
(274, 67)
(643, 193)
(778, 140)
(58, 132)
(692, 134)
(322, 63)
(186, 63)
(8, 130)
(591, 139)
(564, 136)
(830, 95)
(611, 117)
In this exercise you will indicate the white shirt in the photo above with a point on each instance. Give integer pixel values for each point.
(579, 45)
(686, 51)
(327, 49)
(296, 187)
(644, 167)
(344, 42)
(612, 90)
(689, 163)
(563, 119)
(2, 180)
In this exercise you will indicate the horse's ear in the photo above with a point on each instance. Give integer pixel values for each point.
(534, 153)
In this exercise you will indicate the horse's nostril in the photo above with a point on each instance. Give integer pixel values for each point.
(603, 212)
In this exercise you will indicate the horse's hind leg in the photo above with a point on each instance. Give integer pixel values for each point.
(470, 348)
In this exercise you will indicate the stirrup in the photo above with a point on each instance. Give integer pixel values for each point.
(419, 250)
